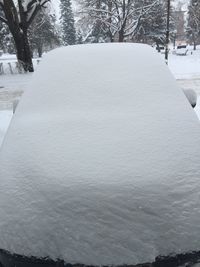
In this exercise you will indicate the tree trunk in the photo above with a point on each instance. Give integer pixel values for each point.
(194, 41)
(157, 47)
(194, 45)
(121, 36)
(24, 55)
(40, 50)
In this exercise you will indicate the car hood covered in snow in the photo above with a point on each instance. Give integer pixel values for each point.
(101, 162)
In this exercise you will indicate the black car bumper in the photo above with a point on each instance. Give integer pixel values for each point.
(14, 260)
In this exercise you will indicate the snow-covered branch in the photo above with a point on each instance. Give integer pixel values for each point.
(122, 19)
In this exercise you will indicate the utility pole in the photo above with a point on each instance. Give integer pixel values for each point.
(167, 32)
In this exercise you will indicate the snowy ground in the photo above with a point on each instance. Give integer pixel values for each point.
(12, 87)
(186, 70)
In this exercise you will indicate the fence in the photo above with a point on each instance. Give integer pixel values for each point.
(12, 67)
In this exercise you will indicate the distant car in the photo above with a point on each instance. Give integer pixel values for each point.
(182, 50)
(100, 165)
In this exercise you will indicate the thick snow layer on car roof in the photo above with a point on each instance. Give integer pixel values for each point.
(101, 161)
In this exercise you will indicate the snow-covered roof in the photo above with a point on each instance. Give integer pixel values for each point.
(101, 161)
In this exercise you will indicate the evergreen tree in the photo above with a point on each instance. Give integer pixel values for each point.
(152, 24)
(90, 24)
(6, 40)
(43, 32)
(67, 23)
(79, 37)
(193, 23)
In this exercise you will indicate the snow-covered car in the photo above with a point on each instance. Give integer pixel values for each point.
(101, 164)
(182, 50)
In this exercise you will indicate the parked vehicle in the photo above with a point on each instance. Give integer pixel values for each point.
(100, 165)
(182, 50)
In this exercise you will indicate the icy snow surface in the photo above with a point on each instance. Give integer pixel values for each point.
(100, 164)
(5, 118)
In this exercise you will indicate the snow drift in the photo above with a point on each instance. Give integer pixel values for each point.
(101, 162)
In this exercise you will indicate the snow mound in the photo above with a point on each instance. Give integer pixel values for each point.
(100, 164)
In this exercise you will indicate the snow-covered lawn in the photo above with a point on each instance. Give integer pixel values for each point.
(186, 67)
(186, 70)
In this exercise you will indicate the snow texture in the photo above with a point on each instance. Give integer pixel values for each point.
(100, 164)
(5, 118)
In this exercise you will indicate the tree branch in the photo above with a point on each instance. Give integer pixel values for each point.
(32, 9)
(3, 19)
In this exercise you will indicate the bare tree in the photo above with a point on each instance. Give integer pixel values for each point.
(119, 19)
(19, 15)
(43, 33)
